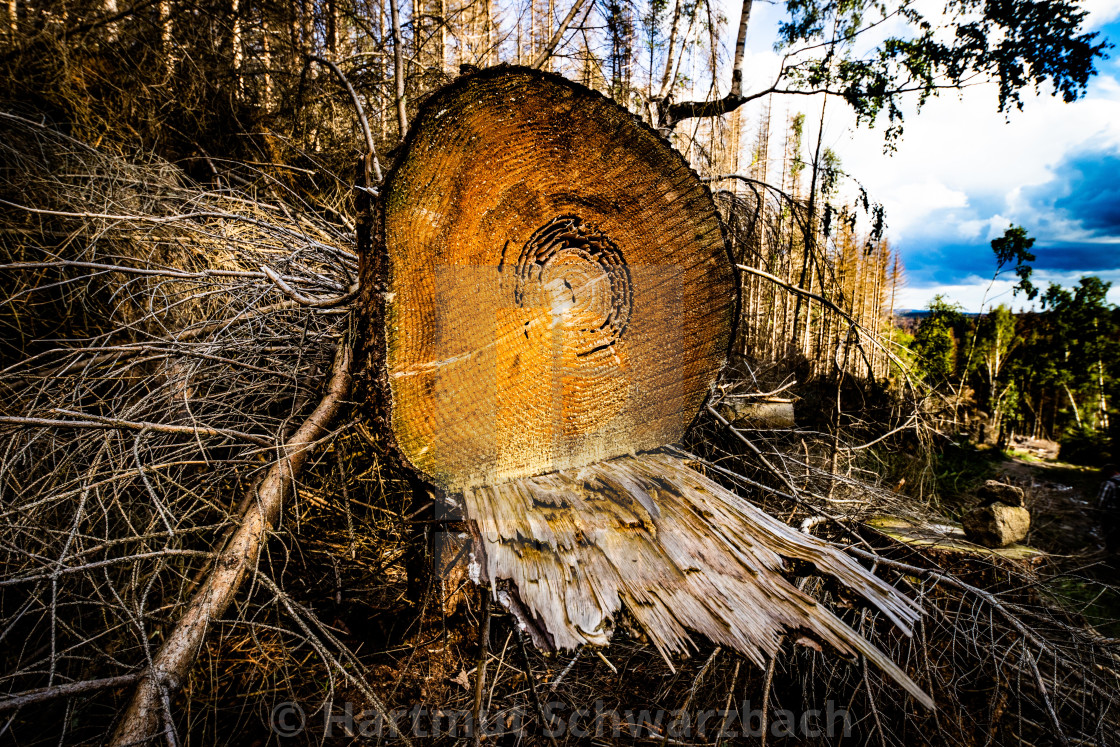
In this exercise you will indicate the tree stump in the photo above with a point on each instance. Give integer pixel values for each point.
(559, 288)
(558, 302)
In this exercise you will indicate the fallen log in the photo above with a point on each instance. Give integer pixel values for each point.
(558, 304)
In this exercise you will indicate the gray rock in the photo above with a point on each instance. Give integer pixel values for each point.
(997, 524)
(994, 491)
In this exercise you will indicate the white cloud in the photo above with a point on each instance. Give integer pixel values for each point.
(916, 202)
(975, 290)
(981, 230)
(997, 225)
(958, 143)
(960, 165)
(962, 171)
(1101, 12)
(965, 144)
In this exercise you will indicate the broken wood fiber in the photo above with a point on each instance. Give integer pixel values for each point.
(680, 551)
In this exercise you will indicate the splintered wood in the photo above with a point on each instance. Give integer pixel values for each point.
(680, 551)
(559, 291)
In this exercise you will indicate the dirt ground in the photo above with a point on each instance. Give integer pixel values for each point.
(1061, 497)
(1066, 523)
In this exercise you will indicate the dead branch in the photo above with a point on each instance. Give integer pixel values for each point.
(302, 300)
(372, 166)
(480, 669)
(65, 691)
(1003, 609)
(96, 421)
(533, 690)
(855, 325)
(298, 612)
(558, 36)
(179, 649)
(101, 564)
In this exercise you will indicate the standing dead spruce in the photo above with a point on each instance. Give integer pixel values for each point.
(558, 303)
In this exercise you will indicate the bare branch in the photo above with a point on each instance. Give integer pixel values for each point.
(97, 421)
(67, 690)
(237, 558)
(302, 300)
(373, 166)
(558, 36)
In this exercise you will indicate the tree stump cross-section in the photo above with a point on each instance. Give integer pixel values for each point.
(559, 303)
(559, 291)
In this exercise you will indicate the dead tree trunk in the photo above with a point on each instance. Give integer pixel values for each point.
(558, 302)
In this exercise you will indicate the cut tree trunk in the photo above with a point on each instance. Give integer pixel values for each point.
(559, 290)
(550, 290)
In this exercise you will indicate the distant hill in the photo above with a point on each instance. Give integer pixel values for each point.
(909, 319)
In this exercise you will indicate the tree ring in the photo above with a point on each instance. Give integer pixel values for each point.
(572, 268)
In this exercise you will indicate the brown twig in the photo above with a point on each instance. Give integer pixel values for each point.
(767, 681)
(96, 421)
(302, 300)
(533, 692)
(695, 685)
(480, 669)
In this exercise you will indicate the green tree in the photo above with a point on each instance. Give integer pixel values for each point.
(1085, 342)
(1031, 371)
(1014, 246)
(835, 47)
(995, 342)
(935, 343)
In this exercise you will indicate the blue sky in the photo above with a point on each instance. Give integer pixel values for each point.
(964, 172)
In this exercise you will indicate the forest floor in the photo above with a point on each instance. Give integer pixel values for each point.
(1066, 524)
(1062, 500)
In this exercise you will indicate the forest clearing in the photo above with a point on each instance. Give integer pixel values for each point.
(536, 372)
